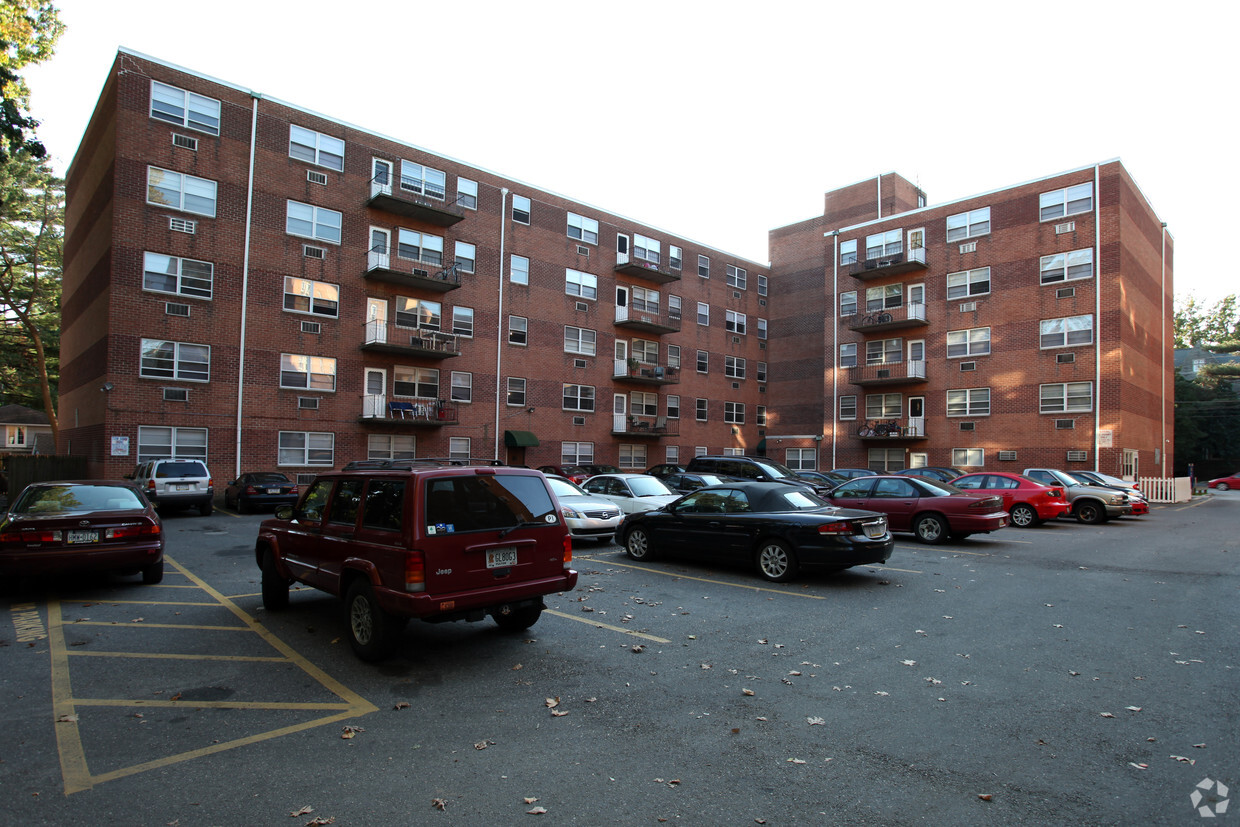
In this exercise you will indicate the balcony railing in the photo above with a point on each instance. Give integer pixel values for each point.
(646, 373)
(381, 265)
(644, 426)
(644, 269)
(384, 337)
(890, 373)
(888, 265)
(912, 314)
(652, 321)
(410, 199)
(381, 409)
(891, 429)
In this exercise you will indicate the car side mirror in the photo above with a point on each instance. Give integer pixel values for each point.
(283, 512)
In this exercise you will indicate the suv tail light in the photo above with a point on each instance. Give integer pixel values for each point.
(415, 572)
(568, 550)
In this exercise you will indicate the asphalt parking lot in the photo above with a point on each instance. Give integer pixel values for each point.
(1060, 675)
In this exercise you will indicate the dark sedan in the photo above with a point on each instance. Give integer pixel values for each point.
(78, 527)
(933, 473)
(934, 511)
(687, 483)
(778, 528)
(263, 490)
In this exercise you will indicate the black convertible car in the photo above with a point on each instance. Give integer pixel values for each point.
(778, 528)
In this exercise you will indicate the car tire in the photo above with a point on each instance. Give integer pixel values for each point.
(518, 620)
(1090, 513)
(373, 633)
(1023, 516)
(638, 546)
(154, 573)
(1222, 486)
(930, 528)
(275, 587)
(775, 561)
(205, 508)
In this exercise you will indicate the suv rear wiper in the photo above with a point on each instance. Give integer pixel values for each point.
(504, 532)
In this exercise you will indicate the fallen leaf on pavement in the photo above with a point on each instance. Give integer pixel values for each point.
(439, 804)
(306, 810)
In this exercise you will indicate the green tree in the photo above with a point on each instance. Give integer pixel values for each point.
(1215, 327)
(29, 30)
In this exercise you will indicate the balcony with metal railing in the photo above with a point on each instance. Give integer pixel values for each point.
(382, 266)
(912, 314)
(888, 373)
(640, 316)
(381, 410)
(384, 337)
(646, 268)
(645, 373)
(644, 426)
(892, 430)
(414, 199)
(904, 261)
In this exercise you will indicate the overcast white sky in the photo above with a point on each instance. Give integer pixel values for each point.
(722, 120)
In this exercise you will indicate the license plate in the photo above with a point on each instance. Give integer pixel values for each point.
(83, 537)
(874, 530)
(181, 487)
(273, 490)
(498, 558)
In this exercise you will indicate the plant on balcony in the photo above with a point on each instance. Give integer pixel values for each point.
(634, 364)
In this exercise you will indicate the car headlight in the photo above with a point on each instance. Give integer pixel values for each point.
(571, 513)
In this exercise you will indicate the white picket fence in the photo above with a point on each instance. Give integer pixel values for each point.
(1166, 489)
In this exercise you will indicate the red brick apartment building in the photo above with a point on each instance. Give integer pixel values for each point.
(1027, 326)
(261, 286)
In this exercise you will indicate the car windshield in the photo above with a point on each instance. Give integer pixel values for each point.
(564, 488)
(648, 487)
(76, 499)
(1081, 478)
(775, 470)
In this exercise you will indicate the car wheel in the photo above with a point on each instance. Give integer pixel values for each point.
(930, 528)
(1091, 512)
(1222, 486)
(517, 620)
(776, 562)
(373, 632)
(638, 545)
(153, 573)
(206, 508)
(1023, 516)
(275, 587)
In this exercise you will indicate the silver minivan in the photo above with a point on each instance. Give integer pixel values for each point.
(176, 482)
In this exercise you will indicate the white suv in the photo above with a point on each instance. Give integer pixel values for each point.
(176, 482)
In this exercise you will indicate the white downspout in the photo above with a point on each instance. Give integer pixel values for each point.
(245, 280)
(1162, 347)
(500, 338)
(1098, 316)
(835, 342)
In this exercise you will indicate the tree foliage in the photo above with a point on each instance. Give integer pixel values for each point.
(1213, 327)
(29, 30)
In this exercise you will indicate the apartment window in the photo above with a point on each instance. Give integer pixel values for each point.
(647, 249)
(417, 246)
(632, 456)
(761, 372)
(733, 322)
(673, 406)
(701, 410)
(848, 252)
(459, 448)
(646, 351)
(674, 256)
(644, 300)
(703, 361)
(315, 297)
(307, 448)
(1078, 264)
(516, 391)
(1068, 201)
(759, 416)
(519, 270)
(734, 367)
(968, 402)
(962, 343)
(177, 106)
(968, 457)
(316, 373)
(1067, 332)
(884, 352)
(467, 193)
(518, 330)
(884, 244)
(463, 321)
(181, 276)
(416, 382)
(736, 277)
(883, 298)
(462, 386)
(309, 221)
(180, 192)
(672, 455)
(848, 355)
(800, 459)
(466, 255)
(582, 228)
(521, 209)
(580, 284)
(762, 329)
(161, 442)
(578, 398)
(417, 314)
(762, 285)
(160, 359)
(673, 356)
(580, 340)
(883, 405)
(315, 148)
(848, 303)
(734, 413)
(393, 446)
(703, 314)
(704, 267)
(423, 180)
(1064, 397)
(673, 307)
(848, 407)
(643, 404)
(968, 283)
(968, 224)
(575, 453)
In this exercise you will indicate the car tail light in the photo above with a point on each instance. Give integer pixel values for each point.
(568, 550)
(987, 503)
(249, 489)
(150, 486)
(136, 530)
(28, 536)
(415, 572)
(842, 527)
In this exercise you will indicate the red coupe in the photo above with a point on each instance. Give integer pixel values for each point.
(1028, 501)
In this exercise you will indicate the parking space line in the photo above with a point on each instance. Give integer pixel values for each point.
(147, 703)
(169, 656)
(708, 580)
(596, 624)
(150, 603)
(139, 624)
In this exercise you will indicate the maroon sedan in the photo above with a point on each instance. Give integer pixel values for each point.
(87, 526)
(1225, 483)
(1028, 501)
(933, 511)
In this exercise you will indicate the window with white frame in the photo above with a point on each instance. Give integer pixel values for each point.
(644, 300)
(884, 351)
(315, 373)
(672, 455)
(15, 436)
(317, 298)
(673, 406)
(968, 402)
(734, 322)
(646, 351)
(885, 460)
(800, 459)
(1067, 332)
(759, 416)
(734, 452)
(674, 256)
(848, 303)
(1078, 264)
(674, 304)
(309, 221)
(161, 359)
(463, 321)
(391, 446)
(848, 355)
(734, 412)
(467, 193)
(703, 314)
(965, 343)
(883, 405)
(417, 246)
(315, 148)
(968, 224)
(848, 252)
(701, 410)
(466, 256)
(462, 386)
(673, 356)
(164, 442)
(580, 340)
(704, 267)
(762, 285)
(642, 403)
(968, 283)
(582, 228)
(181, 276)
(178, 191)
(760, 373)
(647, 249)
(184, 108)
(307, 448)
(883, 298)
(519, 270)
(700, 451)
(884, 244)
(734, 367)
(703, 361)
(417, 314)
(736, 277)
(516, 391)
(580, 284)
(578, 398)
(521, 209)
(848, 407)
(762, 329)
(423, 180)
(632, 456)
(1067, 201)
(968, 457)
(575, 453)
(1065, 397)
(422, 383)
(459, 448)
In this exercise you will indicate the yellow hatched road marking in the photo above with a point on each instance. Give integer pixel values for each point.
(135, 624)
(147, 703)
(170, 656)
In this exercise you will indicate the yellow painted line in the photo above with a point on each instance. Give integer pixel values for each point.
(891, 568)
(117, 624)
(154, 704)
(717, 582)
(168, 586)
(78, 653)
(598, 625)
(151, 603)
(68, 737)
(1192, 504)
